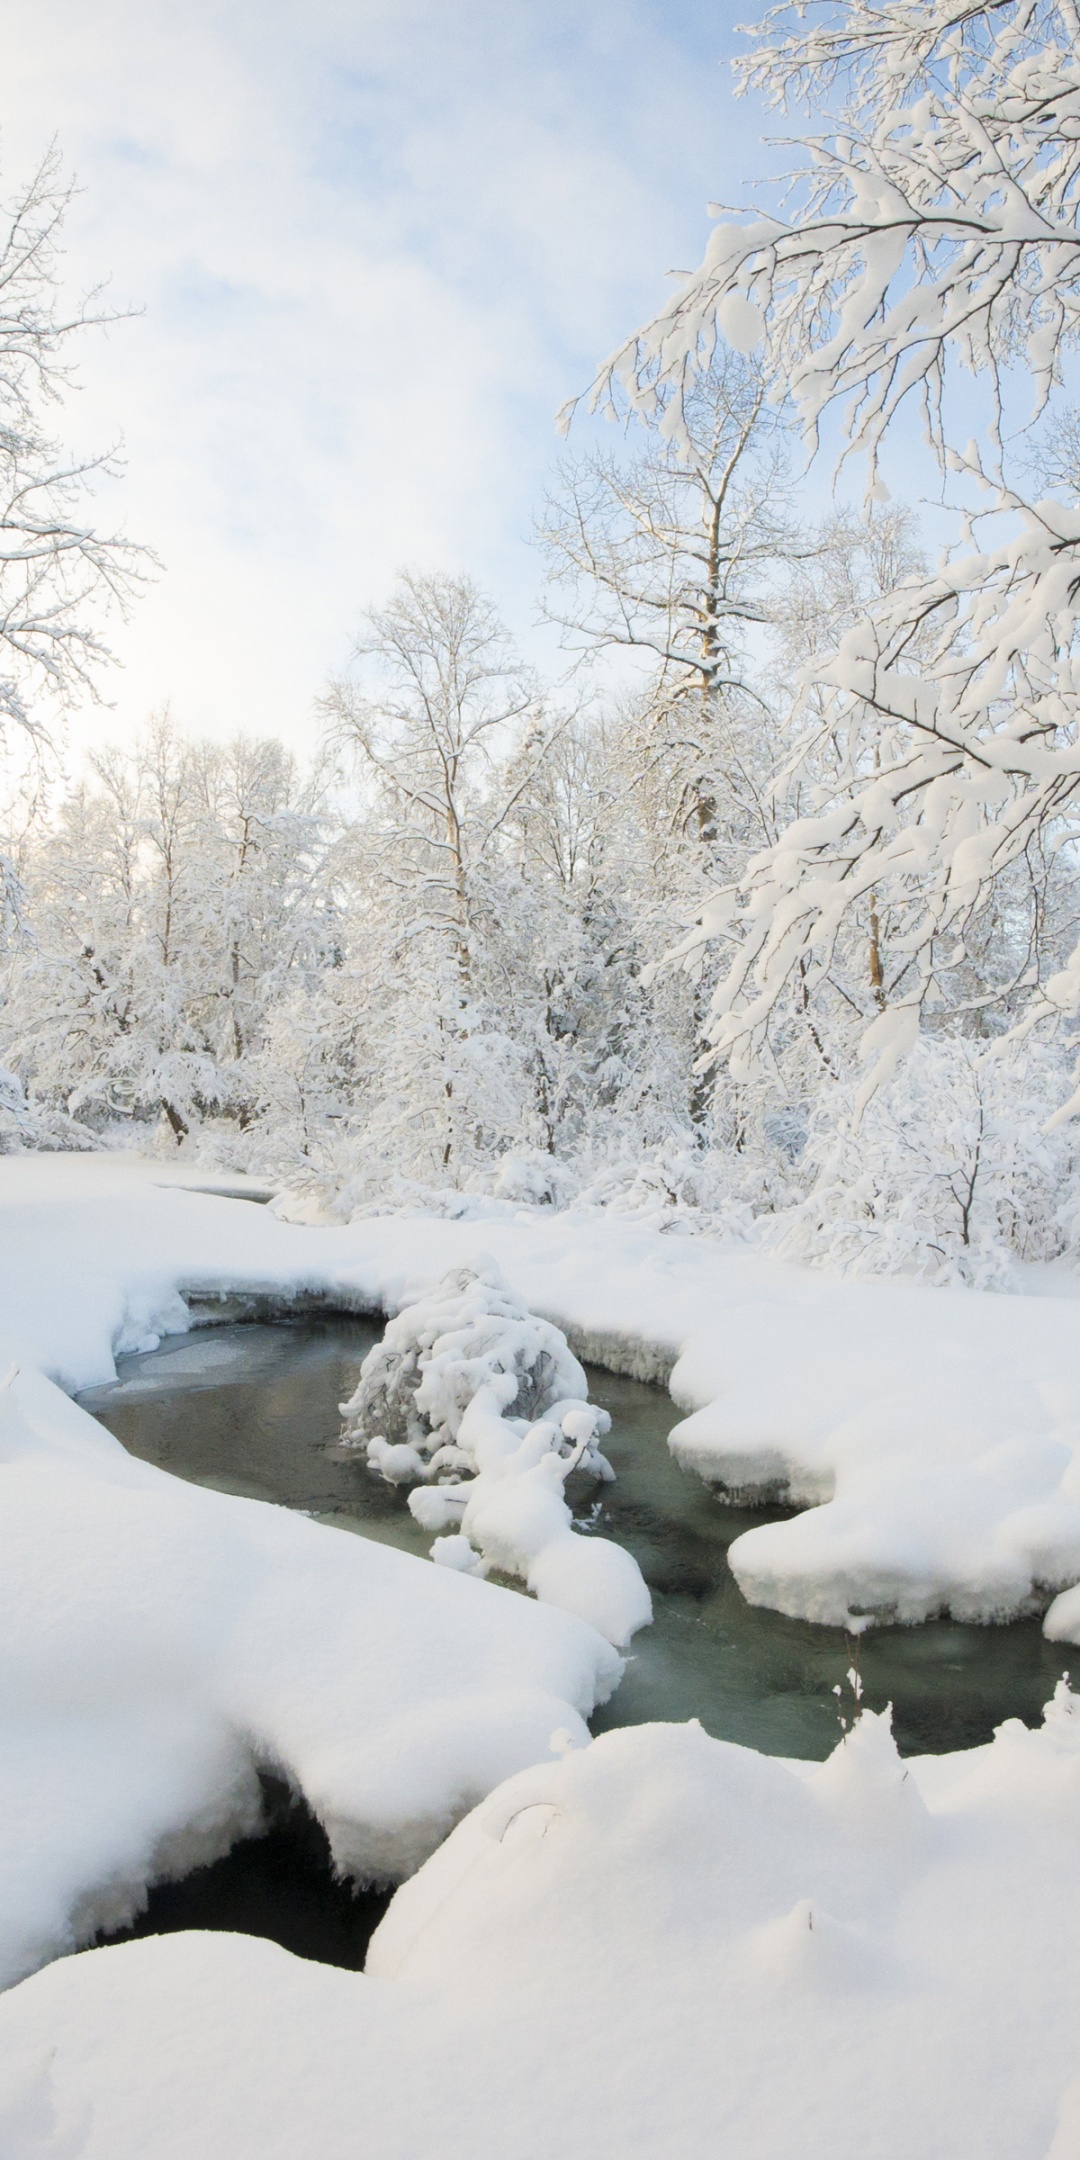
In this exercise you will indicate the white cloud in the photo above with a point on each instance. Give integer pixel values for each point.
(375, 244)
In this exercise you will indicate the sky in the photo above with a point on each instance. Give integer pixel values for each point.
(373, 245)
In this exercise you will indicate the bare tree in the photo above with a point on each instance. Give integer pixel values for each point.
(441, 692)
(59, 576)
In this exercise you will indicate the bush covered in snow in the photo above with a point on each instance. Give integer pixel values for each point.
(431, 1406)
(470, 1331)
(950, 1172)
(25, 1125)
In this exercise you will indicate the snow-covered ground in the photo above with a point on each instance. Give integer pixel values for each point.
(938, 1431)
(659, 1946)
(652, 1944)
(159, 1642)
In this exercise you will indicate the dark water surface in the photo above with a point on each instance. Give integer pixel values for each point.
(280, 1885)
(254, 1409)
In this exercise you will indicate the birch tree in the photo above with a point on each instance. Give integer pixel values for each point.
(674, 550)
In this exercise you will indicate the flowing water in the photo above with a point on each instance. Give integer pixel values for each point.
(253, 1409)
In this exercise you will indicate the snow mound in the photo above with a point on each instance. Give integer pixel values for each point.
(159, 1642)
(1062, 1622)
(761, 1959)
(932, 1437)
(469, 1332)
(448, 1368)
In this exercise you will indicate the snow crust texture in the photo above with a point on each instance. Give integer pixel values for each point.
(749, 1958)
(448, 1370)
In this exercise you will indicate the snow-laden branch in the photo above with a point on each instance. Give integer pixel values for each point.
(935, 219)
(952, 711)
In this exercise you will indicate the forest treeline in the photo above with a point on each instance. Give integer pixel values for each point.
(763, 911)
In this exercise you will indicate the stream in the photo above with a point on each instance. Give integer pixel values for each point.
(253, 1409)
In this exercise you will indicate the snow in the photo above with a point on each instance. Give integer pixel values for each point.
(159, 1642)
(448, 1369)
(933, 1435)
(656, 1944)
(161, 1639)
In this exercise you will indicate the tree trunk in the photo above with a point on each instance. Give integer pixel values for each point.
(176, 1121)
(877, 973)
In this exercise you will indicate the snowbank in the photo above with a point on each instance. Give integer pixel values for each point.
(938, 1431)
(159, 1642)
(659, 1945)
(655, 1943)
(440, 1383)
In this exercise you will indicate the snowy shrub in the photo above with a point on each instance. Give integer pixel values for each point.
(949, 1174)
(672, 1176)
(25, 1124)
(693, 1187)
(533, 1179)
(468, 1332)
(16, 1124)
(430, 1410)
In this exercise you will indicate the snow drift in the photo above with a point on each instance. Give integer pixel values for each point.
(658, 1944)
(159, 1642)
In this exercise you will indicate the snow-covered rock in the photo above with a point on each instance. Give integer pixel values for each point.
(466, 1332)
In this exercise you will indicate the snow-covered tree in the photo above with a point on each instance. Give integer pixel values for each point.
(602, 1045)
(168, 904)
(947, 1174)
(933, 227)
(438, 705)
